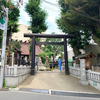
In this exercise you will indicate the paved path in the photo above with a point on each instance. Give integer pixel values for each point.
(55, 81)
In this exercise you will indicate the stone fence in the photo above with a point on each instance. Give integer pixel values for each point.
(16, 70)
(75, 71)
(14, 75)
(90, 75)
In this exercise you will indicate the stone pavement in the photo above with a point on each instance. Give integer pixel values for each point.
(55, 81)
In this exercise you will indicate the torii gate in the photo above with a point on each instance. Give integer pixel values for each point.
(34, 42)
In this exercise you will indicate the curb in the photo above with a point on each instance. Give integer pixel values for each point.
(62, 93)
(13, 89)
(55, 92)
(76, 94)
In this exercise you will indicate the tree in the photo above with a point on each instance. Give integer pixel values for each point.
(43, 56)
(37, 15)
(13, 20)
(56, 49)
(15, 44)
(4, 2)
(12, 46)
(47, 51)
(73, 21)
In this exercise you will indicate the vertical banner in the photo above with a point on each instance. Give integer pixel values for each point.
(37, 63)
(59, 64)
(2, 24)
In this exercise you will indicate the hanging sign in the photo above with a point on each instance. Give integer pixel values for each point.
(2, 23)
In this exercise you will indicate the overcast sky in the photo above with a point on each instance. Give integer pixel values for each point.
(53, 12)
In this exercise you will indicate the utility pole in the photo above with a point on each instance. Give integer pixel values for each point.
(3, 47)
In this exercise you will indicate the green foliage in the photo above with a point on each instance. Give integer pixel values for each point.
(41, 69)
(43, 56)
(51, 50)
(74, 21)
(13, 19)
(15, 44)
(56, 49)
(38, 16)
(48, 69)
(4, 83)
(61, 57)
(2, 2)
(12, 87)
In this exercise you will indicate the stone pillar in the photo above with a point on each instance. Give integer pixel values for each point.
(46, 63)
(92, 68)
(83, 72)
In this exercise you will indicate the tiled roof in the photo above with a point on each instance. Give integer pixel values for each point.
(38, 50)
(86, 55)
(25, 49)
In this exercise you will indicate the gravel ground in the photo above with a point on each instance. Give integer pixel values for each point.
(55, 81)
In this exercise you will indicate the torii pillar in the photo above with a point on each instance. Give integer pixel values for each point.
(33, 56)
(66, 57)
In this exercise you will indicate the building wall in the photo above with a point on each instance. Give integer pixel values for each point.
(70, 54)
(20, 35)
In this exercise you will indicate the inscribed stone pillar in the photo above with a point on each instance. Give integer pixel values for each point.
(40, 64)
(83, 72)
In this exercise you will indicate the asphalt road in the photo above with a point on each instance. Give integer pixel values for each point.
(19, 95)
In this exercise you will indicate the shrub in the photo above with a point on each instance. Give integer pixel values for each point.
(41, 69)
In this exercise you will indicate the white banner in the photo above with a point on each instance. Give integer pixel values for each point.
(2, 26)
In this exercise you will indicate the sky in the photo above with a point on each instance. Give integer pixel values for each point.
(53, 12)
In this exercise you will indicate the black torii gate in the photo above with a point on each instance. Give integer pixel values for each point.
(34, 42)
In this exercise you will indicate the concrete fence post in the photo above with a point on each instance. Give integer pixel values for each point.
(15, 69)
(6, 69)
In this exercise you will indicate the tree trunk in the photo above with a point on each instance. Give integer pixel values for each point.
(8, 44)
(76, 52)
(95, 38)
(53, 58)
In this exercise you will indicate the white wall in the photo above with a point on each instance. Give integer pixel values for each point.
(70, 54)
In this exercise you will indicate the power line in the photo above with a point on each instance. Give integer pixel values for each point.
(48, 8)
(50, 3)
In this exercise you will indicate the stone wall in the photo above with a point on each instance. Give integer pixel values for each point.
(14, 75)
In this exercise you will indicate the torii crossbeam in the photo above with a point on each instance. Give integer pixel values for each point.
(34, 42)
